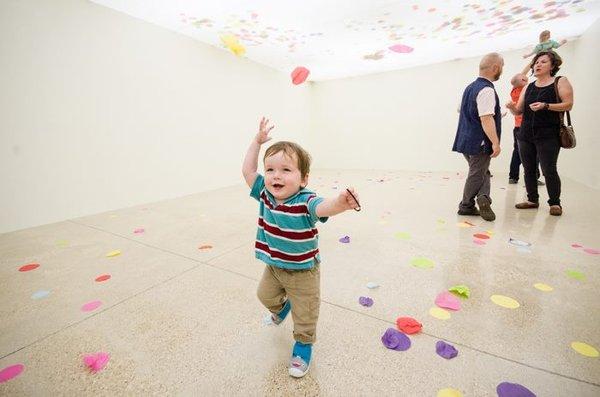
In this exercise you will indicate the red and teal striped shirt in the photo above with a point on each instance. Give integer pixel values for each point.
(286, 235)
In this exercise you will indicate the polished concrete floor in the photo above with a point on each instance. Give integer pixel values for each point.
(180, 320)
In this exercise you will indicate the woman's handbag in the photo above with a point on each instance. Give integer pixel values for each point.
(567, 134)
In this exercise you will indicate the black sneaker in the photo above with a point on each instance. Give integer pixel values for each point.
(485, 208)
(513, 181)
(469, 211)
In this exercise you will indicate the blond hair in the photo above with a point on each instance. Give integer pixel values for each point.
(544, 34)
(291, 149)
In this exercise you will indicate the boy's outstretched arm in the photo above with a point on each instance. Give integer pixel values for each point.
(250, 166)
(336, 205)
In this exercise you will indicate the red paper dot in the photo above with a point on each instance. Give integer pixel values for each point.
(103, 277)
(29, 267)
(408, 325)
(481, 236)
(299, 75)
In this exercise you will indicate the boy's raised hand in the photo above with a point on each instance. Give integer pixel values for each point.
(263, 131)
(346, 201)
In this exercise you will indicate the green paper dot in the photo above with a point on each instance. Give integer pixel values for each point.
(403, 236)
(577, 275)
(422, 263)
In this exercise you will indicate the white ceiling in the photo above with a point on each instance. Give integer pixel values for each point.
(342, 38)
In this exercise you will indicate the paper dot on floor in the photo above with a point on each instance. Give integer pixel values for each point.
(585, 349)
(114, 253)
(422, 263)
(505, 301)
(449, 393)
(91, 306)
(7, 373)
(543, 287)
(439, 313)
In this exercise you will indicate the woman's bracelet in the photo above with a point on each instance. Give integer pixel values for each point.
(546, 106)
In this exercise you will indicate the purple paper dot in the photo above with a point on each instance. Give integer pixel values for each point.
(445, 350)
(365, 301)
(506, 389)
(395, 340)
(345, 239)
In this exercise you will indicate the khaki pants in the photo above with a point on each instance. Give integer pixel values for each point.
(302, 288)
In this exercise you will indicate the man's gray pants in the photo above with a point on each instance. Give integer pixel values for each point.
(478, 180)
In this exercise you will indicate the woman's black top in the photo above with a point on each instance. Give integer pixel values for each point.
(544, 123)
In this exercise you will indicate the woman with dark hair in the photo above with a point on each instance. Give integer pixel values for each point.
(540, 128)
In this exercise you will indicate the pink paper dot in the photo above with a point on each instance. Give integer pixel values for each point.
(10, 372)
(138, 231)
(576, 246)
(299, 75)
(90, 306)
(479, 242)
(401, 48)
(591, 251)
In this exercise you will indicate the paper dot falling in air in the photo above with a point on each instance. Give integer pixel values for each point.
(372, 285)
(445, 350)
(395, 340)
(576, 246)
(439, 313)
(91, 306)
(506, 389)
(102, 278)
(40, 294)
(365, 301)
(422, 263)
(62, 243)
(478, 242)
(585, 349)
(449, 393)
(345, 240)
(299, 75)
(481, 236)
(232, 43)
(577, 275)
(114, 253)
(505, 301)
(139, 231)
(205, 247)
(10, 372)
(543, 287)
(29, 267)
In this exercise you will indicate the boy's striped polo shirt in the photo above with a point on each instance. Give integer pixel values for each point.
(286, 235)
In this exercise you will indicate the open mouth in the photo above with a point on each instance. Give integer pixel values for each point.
(277, 186)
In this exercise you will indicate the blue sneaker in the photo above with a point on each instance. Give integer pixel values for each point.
(300, 361)
(279, 317)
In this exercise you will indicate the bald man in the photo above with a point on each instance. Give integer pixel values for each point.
(478, 136)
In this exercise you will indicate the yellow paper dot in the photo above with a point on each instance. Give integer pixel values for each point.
(505, 301)
(462, 224)
(585, 349)
(449, 393)
(543, 287)
(113, 253)
(439, 313)
(113, 216)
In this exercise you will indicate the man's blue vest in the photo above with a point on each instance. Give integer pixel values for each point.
(469, 134)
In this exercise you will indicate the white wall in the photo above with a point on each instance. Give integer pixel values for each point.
(583, 162)
(407, 119)
(100, 111)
